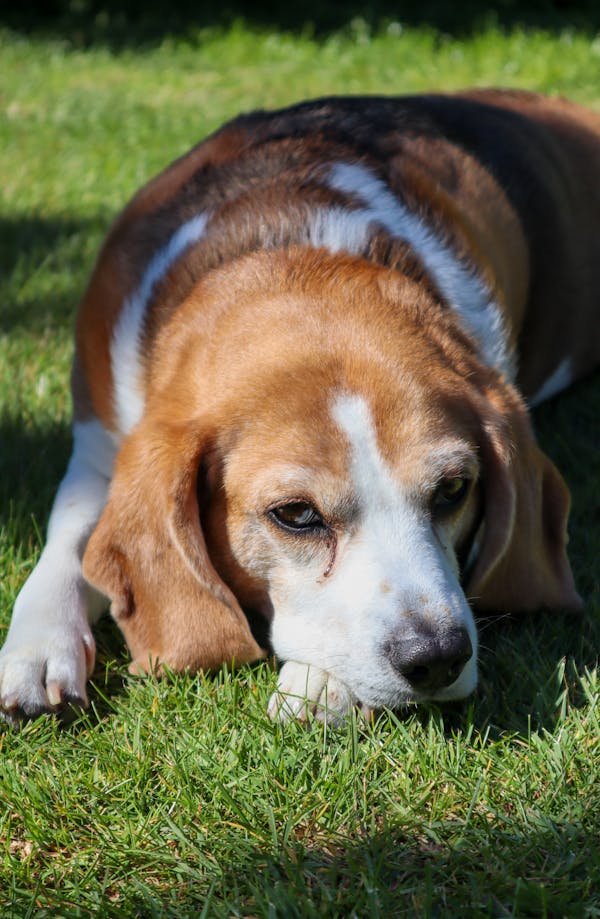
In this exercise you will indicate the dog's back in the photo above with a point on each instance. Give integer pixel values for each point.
(509, 177)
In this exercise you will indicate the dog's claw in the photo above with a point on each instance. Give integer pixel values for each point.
(54, 694)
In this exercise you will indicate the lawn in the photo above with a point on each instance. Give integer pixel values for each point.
(179, 797)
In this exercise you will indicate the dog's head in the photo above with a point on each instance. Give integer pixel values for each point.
(321, 444)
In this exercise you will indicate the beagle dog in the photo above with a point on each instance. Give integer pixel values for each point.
(301, 385)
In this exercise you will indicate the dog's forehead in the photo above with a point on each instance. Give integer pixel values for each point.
(291, 447)
(383, 457)
(338, 444)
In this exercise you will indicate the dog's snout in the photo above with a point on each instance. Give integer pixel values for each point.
(430, 661)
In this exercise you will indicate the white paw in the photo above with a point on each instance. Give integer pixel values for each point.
(45, 669)
(303, 691)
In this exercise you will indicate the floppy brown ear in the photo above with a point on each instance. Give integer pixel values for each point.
(148, 555)
(522, 562)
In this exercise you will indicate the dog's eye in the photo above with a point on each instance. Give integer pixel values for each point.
(450, 493)
(298, 515)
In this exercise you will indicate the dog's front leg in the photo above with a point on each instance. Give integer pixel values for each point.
(49, 650)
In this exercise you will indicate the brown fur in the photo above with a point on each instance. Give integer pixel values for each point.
(148, 555)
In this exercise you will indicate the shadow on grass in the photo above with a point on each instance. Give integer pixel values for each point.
(486, 867)
(393, 870)
(33, 460)
(60, 249)
(130, 24)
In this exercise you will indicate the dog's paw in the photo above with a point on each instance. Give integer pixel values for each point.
(45, 671)
(304, 691)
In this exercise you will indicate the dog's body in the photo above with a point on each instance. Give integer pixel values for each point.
(305, 343)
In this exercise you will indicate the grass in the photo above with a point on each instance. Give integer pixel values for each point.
(179, 797)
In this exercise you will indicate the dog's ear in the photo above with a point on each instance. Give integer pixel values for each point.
(522, 562)
(148, 555)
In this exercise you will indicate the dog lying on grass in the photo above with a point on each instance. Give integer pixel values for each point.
(302, 371)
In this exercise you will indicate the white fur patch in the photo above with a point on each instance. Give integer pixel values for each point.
(339, 229)
(394, 529)
(127, 335)
(560, 379)
(49, 649)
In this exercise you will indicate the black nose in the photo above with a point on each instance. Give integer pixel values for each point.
(430, 661)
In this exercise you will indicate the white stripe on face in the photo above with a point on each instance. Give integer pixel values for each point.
(345, 230)
(127, 335)
(391, 575)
